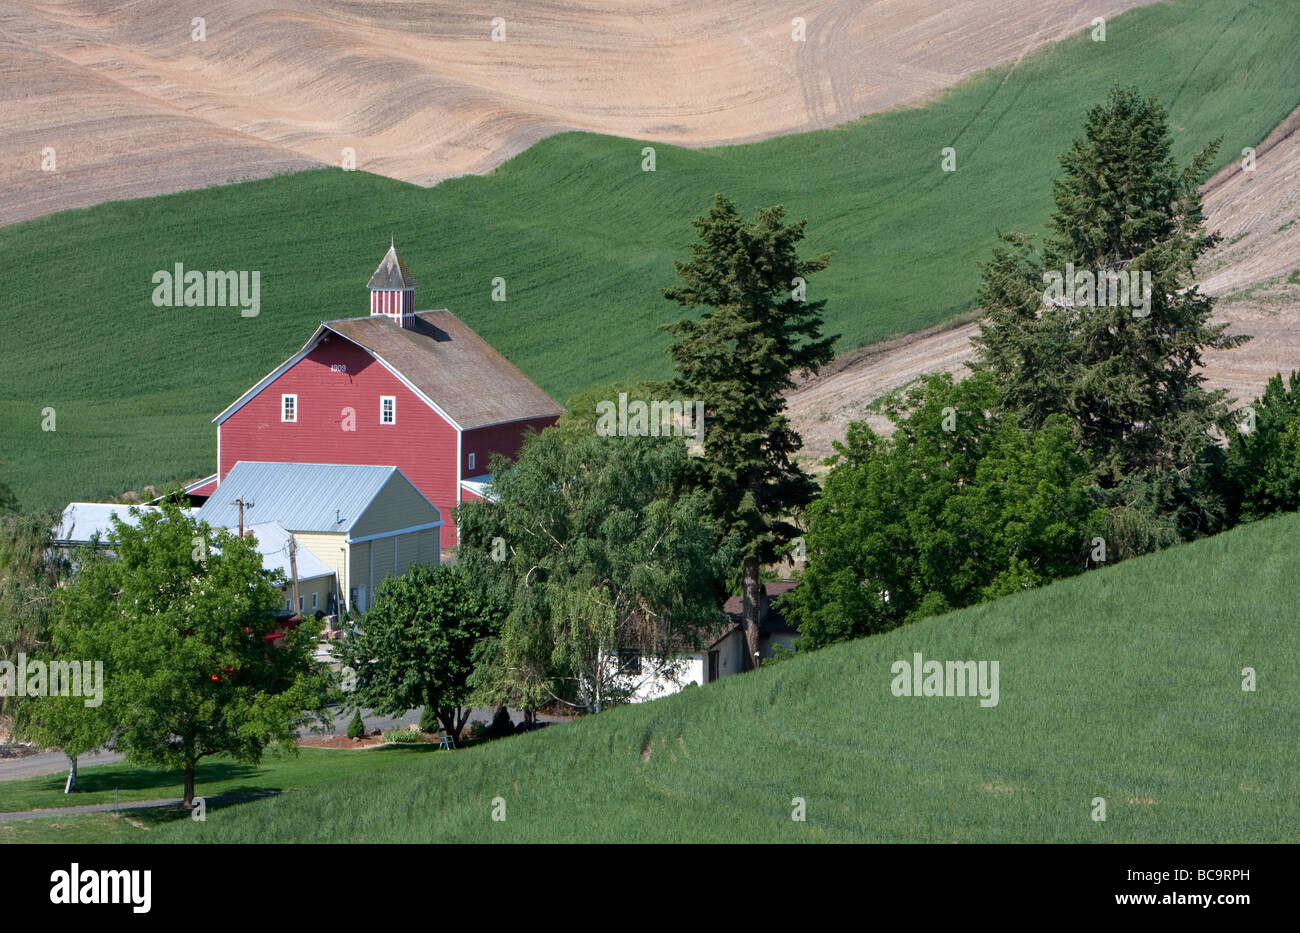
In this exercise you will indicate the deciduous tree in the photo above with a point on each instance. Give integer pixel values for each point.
(417, 645)
(195, 661)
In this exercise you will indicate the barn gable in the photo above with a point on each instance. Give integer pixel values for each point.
(454, 370)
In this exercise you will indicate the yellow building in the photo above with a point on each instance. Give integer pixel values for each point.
(363, 523)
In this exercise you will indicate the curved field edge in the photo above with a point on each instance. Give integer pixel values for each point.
(583, 239)
(1124, 683)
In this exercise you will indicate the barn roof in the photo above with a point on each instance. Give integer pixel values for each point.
(81, 521)
(303, 497)
(441, 359)
(392, 272)
(455, 369)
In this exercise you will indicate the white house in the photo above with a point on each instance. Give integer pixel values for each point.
(722, 652)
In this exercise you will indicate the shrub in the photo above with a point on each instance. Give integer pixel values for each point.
(403, 737)
(429, 720)
(501, 724)
(356, 728)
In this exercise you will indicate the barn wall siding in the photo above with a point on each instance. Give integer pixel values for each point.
(331, 549)
(421, 443)
(505, 439)
(399, 505)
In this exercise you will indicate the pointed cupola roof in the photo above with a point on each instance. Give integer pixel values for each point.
(392, 272)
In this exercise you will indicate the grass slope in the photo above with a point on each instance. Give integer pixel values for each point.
(583, 237)
(1124, 683)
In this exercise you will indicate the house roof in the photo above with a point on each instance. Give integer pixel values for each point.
(392, 273)
(83, 520)
(442, 360)
(310, 497)
(273, 543)
(479, 486)
(774, 623)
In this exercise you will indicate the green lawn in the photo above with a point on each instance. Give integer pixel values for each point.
(584, 239)
(1124, 683)
(277, 772)
(127, 826)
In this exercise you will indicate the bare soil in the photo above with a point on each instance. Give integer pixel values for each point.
(133, 105)
(370, 740)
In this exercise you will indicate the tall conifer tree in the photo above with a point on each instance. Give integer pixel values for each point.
(739, 358)
(1127, 375)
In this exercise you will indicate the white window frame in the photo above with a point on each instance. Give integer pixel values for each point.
(315, 600)
(387, 398)
(284, 401)
(288, 604)
(301, 603)
(469, 464)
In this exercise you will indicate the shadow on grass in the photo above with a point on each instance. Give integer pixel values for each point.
(167, 783)
(420, 747)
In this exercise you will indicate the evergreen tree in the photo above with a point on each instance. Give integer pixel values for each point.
(1263, 464)
(1126, 375)
(739, 358)
(356, 727)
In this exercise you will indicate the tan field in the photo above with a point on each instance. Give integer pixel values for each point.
(133, 105)
(1247, 273)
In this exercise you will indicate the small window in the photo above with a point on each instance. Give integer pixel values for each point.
(471, 462)
(289, 408)
(629, 662)
(288, 604)
(315, 601)
(388, 409)
(301, 603)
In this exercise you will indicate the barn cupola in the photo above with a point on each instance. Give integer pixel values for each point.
(392, 290)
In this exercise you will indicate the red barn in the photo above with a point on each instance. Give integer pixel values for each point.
(416, 390)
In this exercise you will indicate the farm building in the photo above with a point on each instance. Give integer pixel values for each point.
(418, 390)
(84, 523)
(365, 523)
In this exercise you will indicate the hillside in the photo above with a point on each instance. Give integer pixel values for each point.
(584, 239)
(134, 105)
(1252, 273)
(1124, 683)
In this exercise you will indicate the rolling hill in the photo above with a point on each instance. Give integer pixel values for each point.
(1125, 683)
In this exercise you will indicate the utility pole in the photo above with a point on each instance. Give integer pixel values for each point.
(239, 501)
(293, 569)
